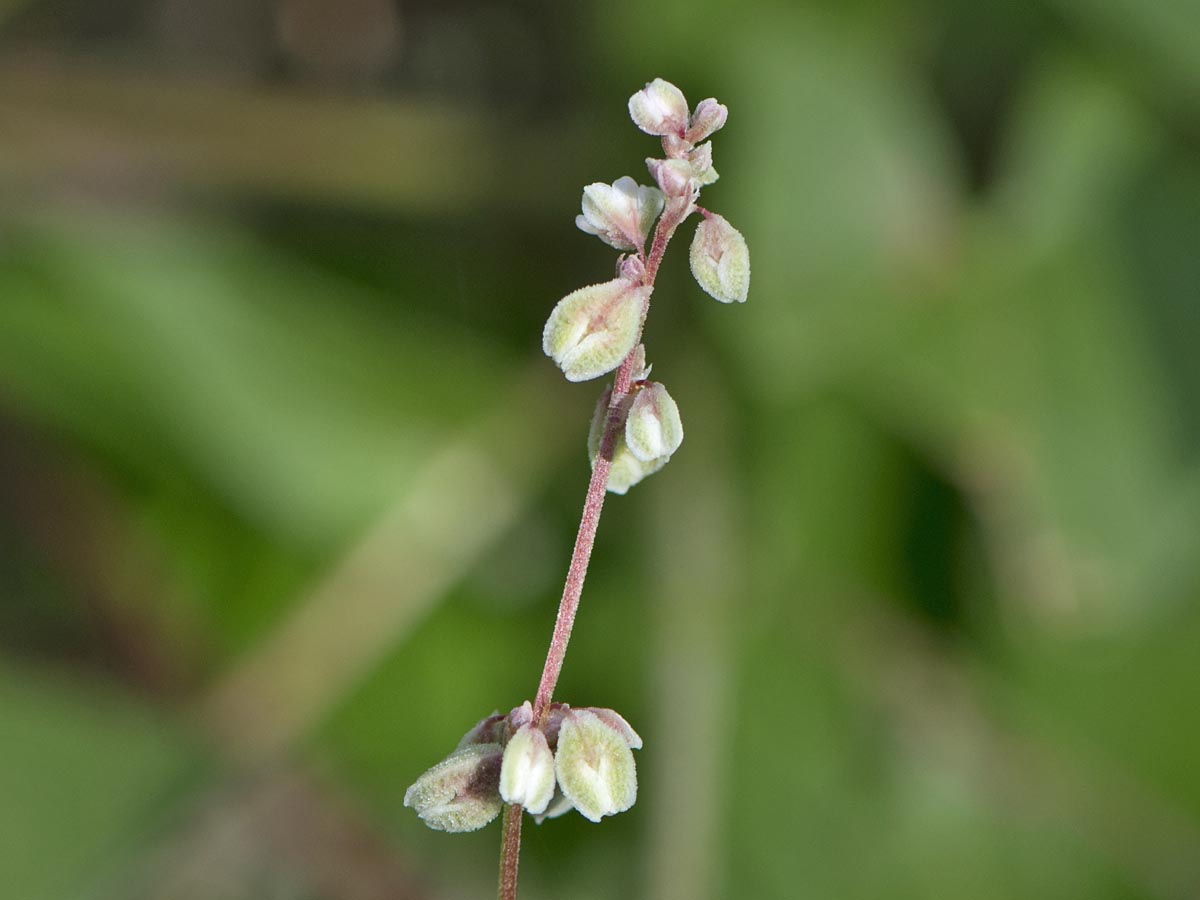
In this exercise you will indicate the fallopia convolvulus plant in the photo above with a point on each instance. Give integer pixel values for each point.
(545, 757)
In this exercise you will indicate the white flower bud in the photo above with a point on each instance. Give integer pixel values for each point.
(653, 429)
(595, 766)
(527, 772)
(621, 214)
(720, 260)
(708, 118)
(659, 108)
(461, 793)
(592, 329)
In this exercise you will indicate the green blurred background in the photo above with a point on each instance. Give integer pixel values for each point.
(287, 488)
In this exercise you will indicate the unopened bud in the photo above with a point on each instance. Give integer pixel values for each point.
(527, 772)
(720, 260)
(595, 767)
(653, 429)
(673, 176)
(592, 329)
(620, 214)
(708, 117)
(461, 793)
(659, 108)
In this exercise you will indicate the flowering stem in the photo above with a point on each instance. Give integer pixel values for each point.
(597, 488)
(593, 504)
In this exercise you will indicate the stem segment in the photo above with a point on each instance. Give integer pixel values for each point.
(510, 850)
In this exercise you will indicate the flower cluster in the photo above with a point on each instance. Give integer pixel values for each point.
(581, 758)
(595, 329)
(578, 759)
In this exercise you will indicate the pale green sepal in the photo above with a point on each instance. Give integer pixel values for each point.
(593, 329)
(595, 766)
(720, 260)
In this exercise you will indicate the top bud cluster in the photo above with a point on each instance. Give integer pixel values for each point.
(595, 329)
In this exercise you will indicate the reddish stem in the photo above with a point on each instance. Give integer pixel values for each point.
(597, 487)
(593, 504)
(510, 851)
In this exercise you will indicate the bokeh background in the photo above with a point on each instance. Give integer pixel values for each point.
(287, 488)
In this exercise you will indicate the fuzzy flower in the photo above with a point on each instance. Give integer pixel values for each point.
(527, 772)
(620, 214)
(461, 793)
(593, 329)
(720, 260)
(659, 108)
(596, 771)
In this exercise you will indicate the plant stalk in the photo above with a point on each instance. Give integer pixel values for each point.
(593, 504)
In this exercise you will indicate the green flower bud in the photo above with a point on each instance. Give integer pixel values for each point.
(595, 766)
(527, 772)
(653, 429)
(659, 108)
(720, 260)
(593, 329)
(461, 793)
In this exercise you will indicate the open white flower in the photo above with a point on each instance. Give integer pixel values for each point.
(621, 214)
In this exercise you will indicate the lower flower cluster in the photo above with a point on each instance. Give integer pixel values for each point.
(578, 758)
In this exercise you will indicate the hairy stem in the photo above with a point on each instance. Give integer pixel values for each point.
(510, 852)
(597, 487)
(593, 504)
